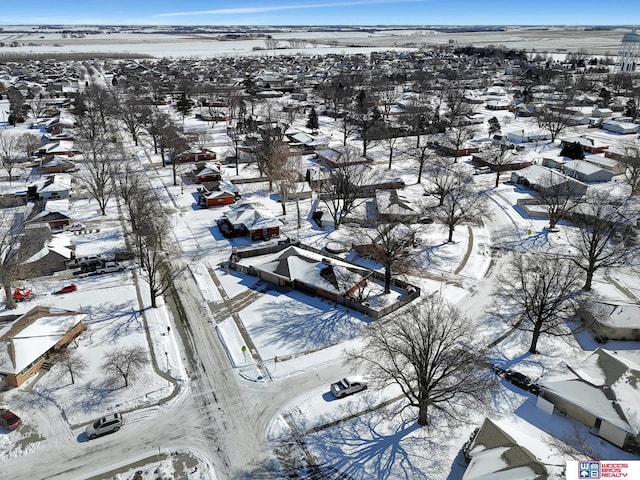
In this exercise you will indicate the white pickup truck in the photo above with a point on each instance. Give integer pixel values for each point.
(109, 267)
(347, 386)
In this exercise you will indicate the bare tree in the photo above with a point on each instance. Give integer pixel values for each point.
(457, 136)
(12, 238)
(342, 191)
(132, 111)
(443, 176)
(11, 146)
(30, 143)
(98, 171)
(631, 160)
(605, 233)
(558, 198)
(101, 100)
(149, 226)
(461, 204)
(557, 117)
(543, 289)
(285, 173)
(501, 159)
(271, 43)
(391, 244)
(124, 362)
(432, 353)
(38, 106)
(422, 154)
(72, 363)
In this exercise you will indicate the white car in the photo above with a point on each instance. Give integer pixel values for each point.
(348, 386)
(110, 267)
(104, 425)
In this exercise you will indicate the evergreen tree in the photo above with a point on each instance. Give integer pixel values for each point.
(312, 120)
(494, 126)
(572, 150)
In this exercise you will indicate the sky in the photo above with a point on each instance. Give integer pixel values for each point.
(318, 12)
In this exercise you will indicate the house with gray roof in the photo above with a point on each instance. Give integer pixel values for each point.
(602, 392)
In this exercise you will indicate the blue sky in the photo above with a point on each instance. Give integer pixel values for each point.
(320, 12)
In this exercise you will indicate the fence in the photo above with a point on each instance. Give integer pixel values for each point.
(411, 292)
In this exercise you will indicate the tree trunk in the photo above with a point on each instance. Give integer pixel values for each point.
(11, 303)
(284, 206)
(587, 283)
(153, 297)
(497, 178)
(536, 334)
(422, 414)
(72, 378)
(451, 229)
(387, 278)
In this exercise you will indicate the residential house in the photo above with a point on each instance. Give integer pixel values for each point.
(586, 172)
(607, 163)
(336, 158)
(215, 194)
(49, 187)
(602, 113)
(602, 392)
(56, 164)
(299, 269)
(588, 144)
(195, 154)
(28, 341)
(258, 224)
(391, 206)
(548, 181)
(308, 143)
(612, 320)
(209, 173)
(55, 213)
(515, 162)
(494, 453)
(622, 128)
(42, 253)
(58, 147)
(524, 136)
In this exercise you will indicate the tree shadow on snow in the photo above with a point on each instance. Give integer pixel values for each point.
(362, 448)
(290, 325)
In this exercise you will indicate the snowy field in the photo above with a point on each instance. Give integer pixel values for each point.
(556, 40)
(294, 334)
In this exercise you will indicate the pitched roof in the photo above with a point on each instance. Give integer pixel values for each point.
(605, 384)
(33, 334)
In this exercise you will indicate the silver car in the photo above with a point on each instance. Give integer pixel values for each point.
(104, 425)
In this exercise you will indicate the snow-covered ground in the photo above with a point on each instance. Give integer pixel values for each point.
(293, 334)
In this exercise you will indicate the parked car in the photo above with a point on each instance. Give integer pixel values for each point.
(518, 379)
(68, 289)
(9, 420)
(75, 227)
(104, 425)
(109, 267)
(347, 386)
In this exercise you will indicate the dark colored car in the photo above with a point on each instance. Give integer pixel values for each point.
(68, 289)
(518, 379)
(9, 420)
